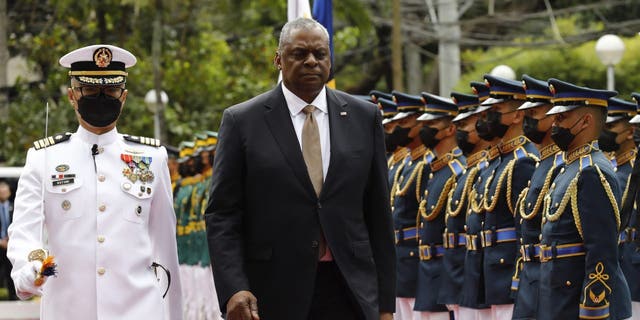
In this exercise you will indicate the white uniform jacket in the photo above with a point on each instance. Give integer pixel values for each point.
(104, 228)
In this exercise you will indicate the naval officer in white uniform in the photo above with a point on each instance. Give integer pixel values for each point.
(104, 201)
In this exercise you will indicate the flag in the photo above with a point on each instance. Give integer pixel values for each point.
(323, 13)
(297, 9)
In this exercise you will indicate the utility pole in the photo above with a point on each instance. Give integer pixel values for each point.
(396, 48)
(448, 46)
(159, 131)
(4, 60)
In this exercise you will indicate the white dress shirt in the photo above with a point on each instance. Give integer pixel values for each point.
(295, 105)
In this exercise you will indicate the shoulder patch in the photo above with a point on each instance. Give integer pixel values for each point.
(52, 140)
(142, 140)
(585, 161)
(456, 167)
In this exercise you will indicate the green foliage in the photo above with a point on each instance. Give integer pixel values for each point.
(576, 63)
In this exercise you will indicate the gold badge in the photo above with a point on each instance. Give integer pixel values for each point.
(62, 168)
(102, 57)
(66, 205)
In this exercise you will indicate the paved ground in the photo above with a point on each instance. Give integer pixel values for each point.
(20, 310)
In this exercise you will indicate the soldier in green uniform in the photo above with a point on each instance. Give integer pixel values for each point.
(434, 183)
(580, 276)
(536, 126)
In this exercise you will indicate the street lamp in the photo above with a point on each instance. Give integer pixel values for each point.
(151, 99)
(503, 71)
(610, 49)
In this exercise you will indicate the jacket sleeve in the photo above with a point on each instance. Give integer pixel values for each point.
(162, 232)
(28, 215)
(378, 218)
(597, 220)
(225, 211)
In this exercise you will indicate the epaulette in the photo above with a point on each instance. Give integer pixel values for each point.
(520, 153)
(52, 140)
(456, 167)
(585, 161)
(142, 140)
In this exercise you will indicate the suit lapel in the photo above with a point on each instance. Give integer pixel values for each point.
(279, 122)
(339, 132)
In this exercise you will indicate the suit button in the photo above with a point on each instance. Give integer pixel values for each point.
(501, 260)
(102, 208)
(314, 244)
(101, 239)
(319, 205)
(568, 283)
(101, 178)
(411, 253)
(101, 270)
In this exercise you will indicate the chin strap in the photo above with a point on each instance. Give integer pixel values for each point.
(155, 266)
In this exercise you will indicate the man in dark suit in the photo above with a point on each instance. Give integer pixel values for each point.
(6, 213)
(298, 219)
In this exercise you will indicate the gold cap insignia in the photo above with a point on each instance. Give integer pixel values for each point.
(102, 57)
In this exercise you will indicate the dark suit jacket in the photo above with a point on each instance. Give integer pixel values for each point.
(263, 216)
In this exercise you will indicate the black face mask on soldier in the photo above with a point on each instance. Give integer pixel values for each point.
(563, 136)
(400, 136)
(496, 127)
(607, 141)
(389, 143)
(428, 136)
(99, 111)
(462, 138)
(482, 127)
(636, 136)
(530, 129)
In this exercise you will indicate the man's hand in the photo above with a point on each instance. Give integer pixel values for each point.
(3, 243)
(243, 305)
(386, 316)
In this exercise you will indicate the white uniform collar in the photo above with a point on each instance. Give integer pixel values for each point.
(296, 104)
(99, 139)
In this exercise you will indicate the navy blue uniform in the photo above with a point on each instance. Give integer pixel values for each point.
(501, 227)
(437, 180)
(405, 211)
(529, 210)
(628, 241)
(455, 235)
(473, 284)
(579, 273)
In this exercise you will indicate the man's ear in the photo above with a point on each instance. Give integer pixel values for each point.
(589, 120)
(277, 61)
(630, 132)
(518, 117)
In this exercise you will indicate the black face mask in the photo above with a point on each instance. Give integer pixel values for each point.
(428, 137)
(636, 136)
(607, 141)
(482, 127)
(197, 165)
(563, 136)
(100, 111)
(185, 170)
(388, 143)
(462, 137)
(530, 129)
(400, 136)
(496, 128)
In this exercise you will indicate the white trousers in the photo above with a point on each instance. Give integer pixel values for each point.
(404, 309)
(502, 312)
(426, 315)
(474, 314)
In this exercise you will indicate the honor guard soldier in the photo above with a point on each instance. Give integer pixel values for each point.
(435, 181)
(454, 237)
(103, 200)
(487, 156)
(579, 273)
(389, 110)
(404, 201)
(182, 203)
(518, 160)
(630, 250)
(536, 126)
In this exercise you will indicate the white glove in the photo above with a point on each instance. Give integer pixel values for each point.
(25, 278)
